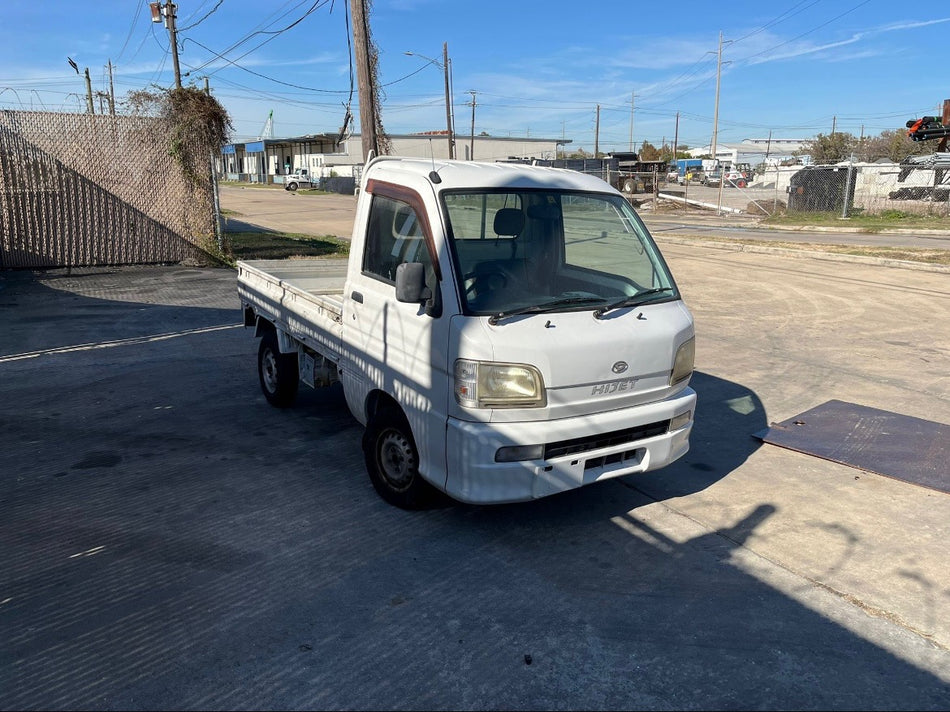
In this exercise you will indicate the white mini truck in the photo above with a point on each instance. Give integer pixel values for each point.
(504, 332)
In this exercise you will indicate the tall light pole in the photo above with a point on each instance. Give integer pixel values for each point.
(716, 109)
(722, 177)
(445, 65)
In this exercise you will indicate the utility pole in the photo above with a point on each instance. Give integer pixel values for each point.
(89, 105)
(834, 122)
(676, 136)
(168, 12)
(471, 148)
(597, 133)
(364, 80)
(170, 8)
(111, 91)
(632, 99)
(448, 99)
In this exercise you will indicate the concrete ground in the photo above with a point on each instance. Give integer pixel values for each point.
(170, 541)
(273, 208)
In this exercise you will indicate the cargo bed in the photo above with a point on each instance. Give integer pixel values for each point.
(304, 298)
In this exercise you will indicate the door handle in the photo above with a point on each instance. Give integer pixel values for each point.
(357, 297)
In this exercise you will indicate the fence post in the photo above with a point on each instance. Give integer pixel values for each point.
(847, 189)
(218, 234)
(775, 195)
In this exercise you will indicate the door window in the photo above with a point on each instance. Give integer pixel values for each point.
(394, 236)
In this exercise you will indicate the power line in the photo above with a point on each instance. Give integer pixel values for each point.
(798, 37)
(135, 19)
(778, 19)
(234, 63)
(274, 35)
(209, 13)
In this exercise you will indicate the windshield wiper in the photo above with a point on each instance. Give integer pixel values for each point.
(545, 307)
(631, 301)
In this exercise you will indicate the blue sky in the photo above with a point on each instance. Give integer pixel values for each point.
(539, 69)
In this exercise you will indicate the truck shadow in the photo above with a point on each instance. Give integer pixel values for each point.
(727, 414)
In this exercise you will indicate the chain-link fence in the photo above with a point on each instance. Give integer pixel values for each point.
(81, 189)
(918, 186)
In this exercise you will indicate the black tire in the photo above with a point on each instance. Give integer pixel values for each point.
(392, 461)
(277, 372)
(291, 186)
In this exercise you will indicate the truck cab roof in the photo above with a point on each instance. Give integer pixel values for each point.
(454, 174)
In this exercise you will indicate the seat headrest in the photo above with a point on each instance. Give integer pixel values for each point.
(508, 221)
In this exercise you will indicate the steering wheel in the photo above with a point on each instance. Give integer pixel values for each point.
(488, 278)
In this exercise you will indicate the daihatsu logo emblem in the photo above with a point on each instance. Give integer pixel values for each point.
(619, 367)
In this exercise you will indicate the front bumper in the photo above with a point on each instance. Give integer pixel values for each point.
(473, 476)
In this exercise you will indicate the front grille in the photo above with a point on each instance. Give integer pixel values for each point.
(595, 442)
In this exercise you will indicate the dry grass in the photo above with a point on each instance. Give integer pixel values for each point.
(281, 245)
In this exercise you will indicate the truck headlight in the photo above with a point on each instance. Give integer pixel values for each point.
(683, 362)
(483, 384)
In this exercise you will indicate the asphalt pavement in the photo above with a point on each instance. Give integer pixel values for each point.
(170, 541)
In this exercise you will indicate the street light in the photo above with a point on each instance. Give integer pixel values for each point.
(446, 66)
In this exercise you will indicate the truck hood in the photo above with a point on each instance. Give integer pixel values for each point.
(589, 365)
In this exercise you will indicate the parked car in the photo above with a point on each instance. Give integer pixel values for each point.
(712, 178)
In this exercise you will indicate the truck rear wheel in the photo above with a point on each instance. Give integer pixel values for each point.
(291, 186)
(392, 460)
(277, 372)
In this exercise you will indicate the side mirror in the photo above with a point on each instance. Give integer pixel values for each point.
(411, 283)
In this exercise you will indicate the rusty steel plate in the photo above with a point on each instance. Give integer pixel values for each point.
(899, 446)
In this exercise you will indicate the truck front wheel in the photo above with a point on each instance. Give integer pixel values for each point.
(291, 186)
(277, 371)
(392, 460)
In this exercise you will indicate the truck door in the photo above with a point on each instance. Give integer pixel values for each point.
(404, 349)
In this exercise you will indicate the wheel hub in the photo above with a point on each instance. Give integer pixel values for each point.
(396, 459)
(269, 371)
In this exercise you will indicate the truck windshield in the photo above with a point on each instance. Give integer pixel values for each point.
(533, 251)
